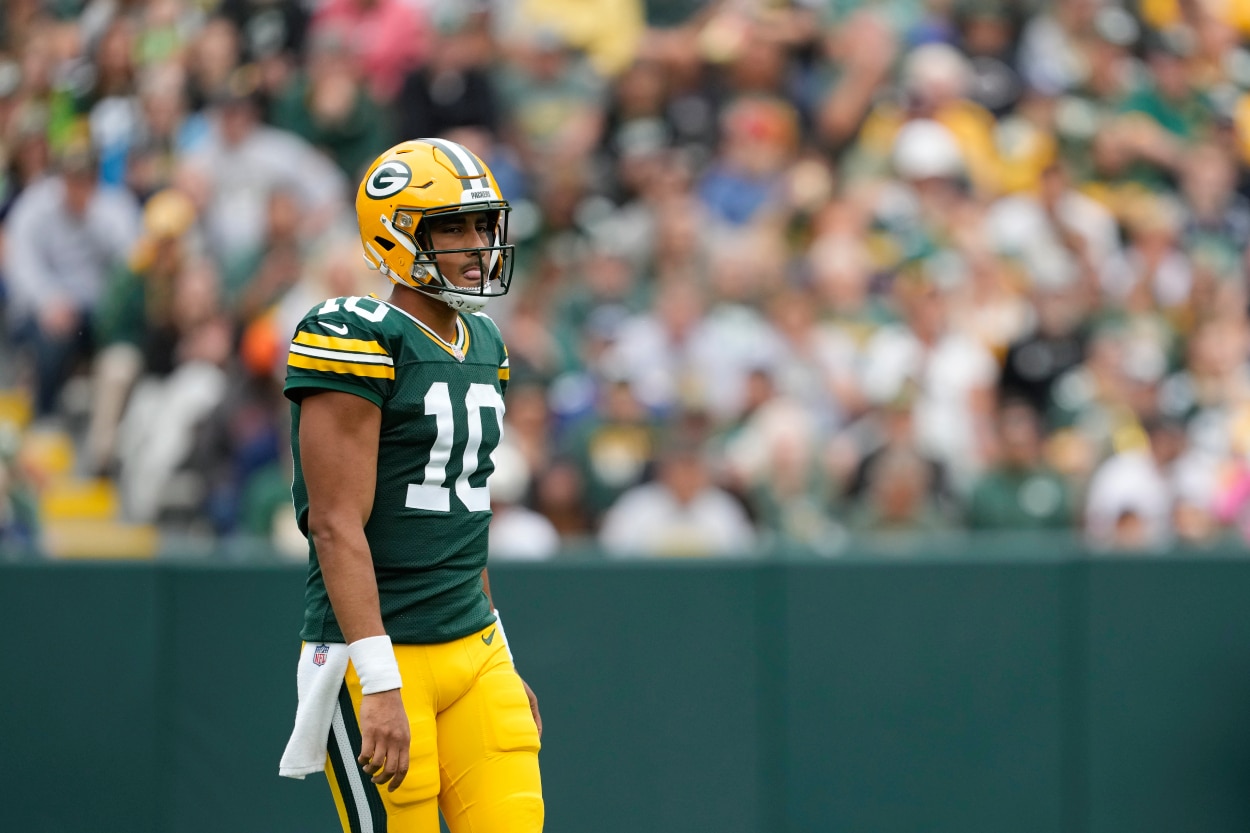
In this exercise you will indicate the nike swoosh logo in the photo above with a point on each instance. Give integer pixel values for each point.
(341, 329)
(489, 637)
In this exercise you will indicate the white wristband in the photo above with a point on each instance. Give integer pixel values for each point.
(375, 663)
(499, 627)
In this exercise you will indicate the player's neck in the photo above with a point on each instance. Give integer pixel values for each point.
(431, 312)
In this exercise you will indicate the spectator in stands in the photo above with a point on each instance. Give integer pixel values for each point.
(1057, 234)
(1216, 218)
(613, 449)
(888, 427)
(516, 531)
(558, 497)
(771, 459)
(269, 28)
(1053, 49)
(243, 161)
(953, 376)
(1020, 492)
(387, 38)
(662, 351)
(608, 32)
(759, 140)
(681, 513)
(1056, 346)
(987, 36)
(453, 88)
(255, 280)
(158, 428)
(859, 52)
(135, 327)
(330, 108)
(552, 103)
(64, 236)
(165, 131)
(1132, 494)
(212, 59)
(897, 497)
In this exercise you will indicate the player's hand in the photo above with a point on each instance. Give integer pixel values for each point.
(385, 738)
(538, 718)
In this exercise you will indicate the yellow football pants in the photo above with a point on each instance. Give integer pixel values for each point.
(474, 751)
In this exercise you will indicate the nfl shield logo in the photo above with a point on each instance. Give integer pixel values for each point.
(319, 655)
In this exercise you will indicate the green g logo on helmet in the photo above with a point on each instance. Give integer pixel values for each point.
(388, 180)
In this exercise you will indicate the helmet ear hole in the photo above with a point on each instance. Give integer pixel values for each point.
(384, 243)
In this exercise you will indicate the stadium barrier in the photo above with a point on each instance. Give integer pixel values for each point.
(981, 688)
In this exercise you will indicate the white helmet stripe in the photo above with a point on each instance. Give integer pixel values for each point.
(466, 162)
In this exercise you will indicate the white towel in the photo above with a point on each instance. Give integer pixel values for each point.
(322, 666)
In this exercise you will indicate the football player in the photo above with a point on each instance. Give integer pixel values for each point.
(397, 404)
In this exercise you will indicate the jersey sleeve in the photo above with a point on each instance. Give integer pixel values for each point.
(339, 350)
(504, 370)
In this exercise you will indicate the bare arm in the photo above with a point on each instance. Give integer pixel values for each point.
(486, 588)
(338, 438)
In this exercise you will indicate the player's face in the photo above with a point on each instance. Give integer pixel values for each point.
(462, 231)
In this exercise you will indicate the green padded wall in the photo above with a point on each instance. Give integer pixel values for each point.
(926, 698)
(978, 692)
(1169, 696)
(80, 747)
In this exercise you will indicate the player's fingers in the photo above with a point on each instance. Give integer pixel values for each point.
(371, 756)
(538, 718)
(390, 763)
(385, 773)
(401, 769)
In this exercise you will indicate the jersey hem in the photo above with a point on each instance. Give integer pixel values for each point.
(452, 636)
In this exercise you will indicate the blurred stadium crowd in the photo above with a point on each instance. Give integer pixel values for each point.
(789, 272)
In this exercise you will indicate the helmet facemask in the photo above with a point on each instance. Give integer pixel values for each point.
(494, 260)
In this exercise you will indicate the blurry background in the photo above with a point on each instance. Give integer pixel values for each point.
(820, 288)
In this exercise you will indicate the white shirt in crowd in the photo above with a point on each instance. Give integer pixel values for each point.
(1129, 482)
(947, 375)
(243, 176)
(52, 255)
(521, 534)
(648, 520)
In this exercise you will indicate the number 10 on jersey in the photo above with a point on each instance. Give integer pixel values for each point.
(432, 494)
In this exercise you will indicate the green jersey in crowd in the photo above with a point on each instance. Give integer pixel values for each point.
(442, 416)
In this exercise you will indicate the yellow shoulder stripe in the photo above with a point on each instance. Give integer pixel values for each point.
(377, 371)
(353, 345)
(504, 373)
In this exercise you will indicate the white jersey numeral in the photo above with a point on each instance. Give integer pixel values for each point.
(477, 499)
(432, 494)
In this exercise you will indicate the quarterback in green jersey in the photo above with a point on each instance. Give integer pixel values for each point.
(397, 404)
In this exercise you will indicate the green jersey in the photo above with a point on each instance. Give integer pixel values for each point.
(442, 416)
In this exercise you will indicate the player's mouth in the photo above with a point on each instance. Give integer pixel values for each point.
(473, 273)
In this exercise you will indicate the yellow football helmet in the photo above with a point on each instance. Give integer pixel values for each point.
(428, 178)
